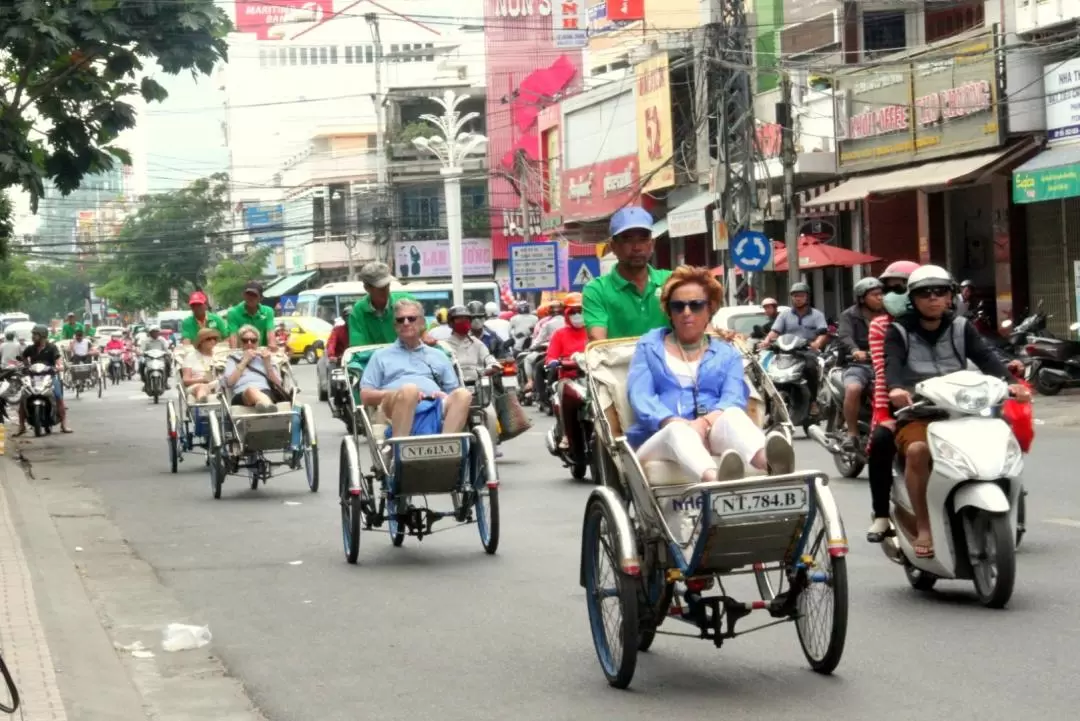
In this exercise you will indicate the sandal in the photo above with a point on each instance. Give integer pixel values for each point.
(924, 550)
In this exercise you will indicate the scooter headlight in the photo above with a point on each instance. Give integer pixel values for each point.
(945, 453)
(972, 399)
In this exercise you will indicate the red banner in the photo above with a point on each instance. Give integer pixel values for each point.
(622, 10)
(599, 190)
(280, 19)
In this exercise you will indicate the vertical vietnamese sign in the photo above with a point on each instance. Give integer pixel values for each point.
(624, 10)
(652, 93)
(571, 23)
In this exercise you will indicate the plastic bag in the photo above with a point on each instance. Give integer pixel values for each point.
(182, 637)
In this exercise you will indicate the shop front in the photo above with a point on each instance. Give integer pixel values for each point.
(935, 123)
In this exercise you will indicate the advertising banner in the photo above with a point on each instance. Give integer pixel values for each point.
(652, 96)
(599, 22)
(598, 191)
(625, 10)
(1061, 82)
(571, 24)
(280, 19)
(431, 258)
(955, 108)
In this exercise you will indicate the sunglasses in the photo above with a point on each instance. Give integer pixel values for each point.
(932, 293)
(249, 340)
(679, 306)
(405, 319)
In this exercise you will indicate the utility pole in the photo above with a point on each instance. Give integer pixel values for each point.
(350, 245)
(735, 109)
(522, 179)
(786, 119)
(383, 183)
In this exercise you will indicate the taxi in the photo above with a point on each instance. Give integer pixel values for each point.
(307, 337)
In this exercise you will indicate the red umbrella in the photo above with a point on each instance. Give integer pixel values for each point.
(814, 254)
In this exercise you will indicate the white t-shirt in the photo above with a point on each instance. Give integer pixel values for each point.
(199, 364)
(80, 347)
(685, 371)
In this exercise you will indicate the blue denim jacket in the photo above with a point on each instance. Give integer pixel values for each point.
(656, 394)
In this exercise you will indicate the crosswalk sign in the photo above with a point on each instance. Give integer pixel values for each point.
(288, 304)
(582, 270)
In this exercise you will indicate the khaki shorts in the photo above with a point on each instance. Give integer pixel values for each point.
(910, 432)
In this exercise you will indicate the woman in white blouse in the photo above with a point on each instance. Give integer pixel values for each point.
(197, 371)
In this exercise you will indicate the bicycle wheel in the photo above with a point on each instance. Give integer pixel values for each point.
(823, 605)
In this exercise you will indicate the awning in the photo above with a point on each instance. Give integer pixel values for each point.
(288, 283)
(1053, 174)
(927, 175)
(689, 218)
(659, 228)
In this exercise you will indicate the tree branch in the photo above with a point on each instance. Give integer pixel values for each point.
(45, 86)
(24, 76)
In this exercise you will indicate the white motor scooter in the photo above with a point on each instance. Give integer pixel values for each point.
(973, 492)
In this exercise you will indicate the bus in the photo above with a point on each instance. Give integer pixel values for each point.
(327, 302)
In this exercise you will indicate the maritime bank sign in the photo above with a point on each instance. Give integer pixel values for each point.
(522, 8)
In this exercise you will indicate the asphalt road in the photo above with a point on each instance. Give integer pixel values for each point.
(440, 630)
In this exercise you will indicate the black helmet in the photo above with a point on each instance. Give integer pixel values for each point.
(476, 309)
(523, 307)
(458, 311)
(40, 330)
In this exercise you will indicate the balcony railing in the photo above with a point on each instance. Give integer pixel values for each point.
(321, 168)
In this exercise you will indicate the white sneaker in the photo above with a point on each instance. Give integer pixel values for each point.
(731, 467)
(779, 455)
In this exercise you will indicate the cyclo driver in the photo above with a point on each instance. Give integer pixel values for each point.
(927, 342)
(853, 334)
(81, 350)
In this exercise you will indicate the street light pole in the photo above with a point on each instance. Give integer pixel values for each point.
(451, 146)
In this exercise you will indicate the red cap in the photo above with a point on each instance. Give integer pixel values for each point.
(197, 297)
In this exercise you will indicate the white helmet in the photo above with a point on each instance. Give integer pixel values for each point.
(153, 328)
(769, 301)
(491, 309)
(929, 276)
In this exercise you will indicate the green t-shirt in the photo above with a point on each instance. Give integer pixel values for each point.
(263, 320)
(614, 303)
(189, 327)
(67, 331)
(366, 327)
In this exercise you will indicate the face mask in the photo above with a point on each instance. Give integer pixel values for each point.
(897, 303)
(577, 320)
(477, 324)
(462, 326)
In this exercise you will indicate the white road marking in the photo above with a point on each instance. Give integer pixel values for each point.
(295, 563)
(292, 503)
(1071, 523)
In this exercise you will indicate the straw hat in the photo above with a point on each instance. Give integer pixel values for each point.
(206, 334)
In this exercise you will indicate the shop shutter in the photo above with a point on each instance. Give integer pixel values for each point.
(1049, 280)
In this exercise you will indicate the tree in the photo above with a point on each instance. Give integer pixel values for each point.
(67, 68)
(168, 243)
(18, 283)
(227, 281)
(61, 288)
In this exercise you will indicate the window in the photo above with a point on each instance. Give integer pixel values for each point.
(945, 23)
(318, 217)
(262, 59)
(430, 58)
(420, 207)
(883, 32)
(303, 56)
(394, 50)
(283, 56)
(324, 55)
(348, 54)
(372, 142)
(333, 54)
(474, 211)
(368, 53)
(292, 56)
(360, 54)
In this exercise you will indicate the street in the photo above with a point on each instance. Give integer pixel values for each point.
(439, 629)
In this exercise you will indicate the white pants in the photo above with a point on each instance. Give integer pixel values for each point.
(678, 443)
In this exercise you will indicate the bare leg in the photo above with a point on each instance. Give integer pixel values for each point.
(456, 411)
(61, 410)
(257, 398)
(400, 408)
(917, 475)
(852, 401)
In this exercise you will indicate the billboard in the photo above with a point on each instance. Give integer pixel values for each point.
(280, 19)
(652, 97)
(431, 258)
(940, 103)
(1061, 83)
(625, 10)
(600, 189)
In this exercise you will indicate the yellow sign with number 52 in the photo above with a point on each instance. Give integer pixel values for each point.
(652, 94)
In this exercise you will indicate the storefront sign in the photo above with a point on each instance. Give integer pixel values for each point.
(521, 8)
(681, 225)
(282, 19)
(598, 191)
(652, 96)
(626, 10)
(599, 22)
(431, 258)
(1062, 181)
(570, 22)
(955, 108)
(1061, 82)
(552, 177)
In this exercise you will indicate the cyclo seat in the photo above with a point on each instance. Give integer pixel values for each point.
(608, 364)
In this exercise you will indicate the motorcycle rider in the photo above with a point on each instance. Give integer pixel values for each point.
(201, 318)
(476, 324)
(962, 304)
(495, 324)
(927, 342)
(568, 340)
(10, 350)
(806, 322)
(338, 341)
(772, 310)
(116, 342)
(522, 324)
(473, 357)
(154, 341)
(441, 330)
(625, 302)
(542, 335)
(42, 351)
(853, 334)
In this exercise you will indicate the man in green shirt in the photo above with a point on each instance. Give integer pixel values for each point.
(200, 318)
(625, 303)
(372, 319)
(252, 312)
(67, 331)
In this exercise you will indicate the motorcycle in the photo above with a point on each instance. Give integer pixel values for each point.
(154, 364)
(569, 401)
(10, 390)
(526, 397)
(849, 463)
(974, 492)
(787, 369)
(1055, 363)
(116, 366)
(38, 400)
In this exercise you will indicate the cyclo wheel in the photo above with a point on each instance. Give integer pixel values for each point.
(823, 606)
(215, 461)
(393, 525)
(171, 436)
(351, 507)
(616, 641)
(487, 503)
(311, 451)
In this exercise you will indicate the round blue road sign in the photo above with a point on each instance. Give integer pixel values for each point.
(751, 251)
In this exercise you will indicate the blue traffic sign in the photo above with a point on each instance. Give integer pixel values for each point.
(751, 251)
(582, 270)
(288, 304)
(534, 266)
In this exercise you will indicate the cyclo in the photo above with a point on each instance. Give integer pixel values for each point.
(784, 530)
(187, 422)
(82, 376)
(242, 439)
(461, 465)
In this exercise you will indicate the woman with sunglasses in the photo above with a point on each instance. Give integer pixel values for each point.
(689, 394)
(251, 375)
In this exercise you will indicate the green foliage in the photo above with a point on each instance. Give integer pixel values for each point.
(227, 281)
(18, 283)
(53, 291)
(67, 67)
(415, 129)
(168, 243)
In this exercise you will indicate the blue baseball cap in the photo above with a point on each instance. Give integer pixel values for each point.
(631, 218)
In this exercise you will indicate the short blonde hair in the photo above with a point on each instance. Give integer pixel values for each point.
(248, 328)
(686, 274)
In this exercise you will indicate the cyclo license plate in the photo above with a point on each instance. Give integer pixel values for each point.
(758, 502)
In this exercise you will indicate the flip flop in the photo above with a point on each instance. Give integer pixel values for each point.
(924, 550)
(66, 430)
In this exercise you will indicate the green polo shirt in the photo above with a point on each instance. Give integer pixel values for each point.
(366, 327)
(67, 331)
(614, 303)
(262, 319)
(189, 327)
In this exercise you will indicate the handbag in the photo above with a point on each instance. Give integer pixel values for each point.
(513, 421)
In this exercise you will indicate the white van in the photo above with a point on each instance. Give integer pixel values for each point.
(8, 318)
(327, 302)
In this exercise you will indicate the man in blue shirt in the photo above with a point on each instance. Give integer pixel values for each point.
(407, 371)
(809, 323)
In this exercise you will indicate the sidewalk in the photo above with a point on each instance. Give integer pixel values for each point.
(1062, 410)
